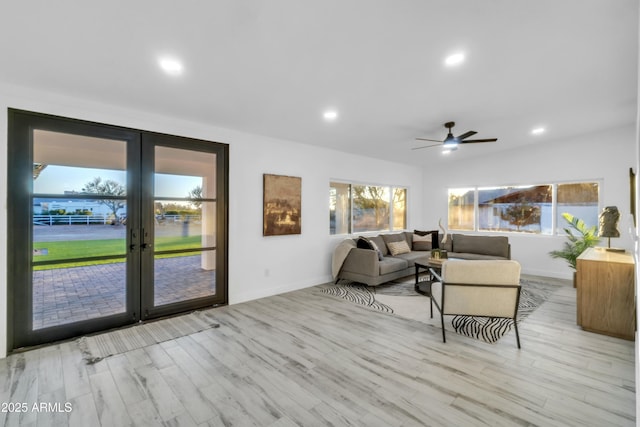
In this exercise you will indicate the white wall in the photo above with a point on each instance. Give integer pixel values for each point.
(258, 266)
(262, 266)
(606, 156)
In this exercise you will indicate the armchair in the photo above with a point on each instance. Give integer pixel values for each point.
(477, 288)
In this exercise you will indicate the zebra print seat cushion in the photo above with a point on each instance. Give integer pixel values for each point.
(491, 329)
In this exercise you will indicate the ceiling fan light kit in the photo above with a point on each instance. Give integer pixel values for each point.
(451, 142)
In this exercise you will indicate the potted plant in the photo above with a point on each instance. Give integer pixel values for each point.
(580, 238)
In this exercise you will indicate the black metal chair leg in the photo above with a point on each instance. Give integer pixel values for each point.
(515, 325)
(444, 339)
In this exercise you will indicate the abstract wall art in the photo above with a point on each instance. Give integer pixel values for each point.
(282, 205)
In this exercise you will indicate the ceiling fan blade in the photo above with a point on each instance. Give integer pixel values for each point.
(467, 134)
(479, 140)
(427, 146)
(432, 140)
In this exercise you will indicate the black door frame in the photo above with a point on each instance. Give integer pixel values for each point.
(149, 141)
(20, 232)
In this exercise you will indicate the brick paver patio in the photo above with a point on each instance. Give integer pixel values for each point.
(68, 295)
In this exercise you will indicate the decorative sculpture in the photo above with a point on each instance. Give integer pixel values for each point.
(444, 231)
(608, 222)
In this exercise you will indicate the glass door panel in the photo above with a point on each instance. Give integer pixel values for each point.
(79, 237)
(184, 225)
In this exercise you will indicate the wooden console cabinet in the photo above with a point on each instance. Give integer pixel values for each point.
(605, 290)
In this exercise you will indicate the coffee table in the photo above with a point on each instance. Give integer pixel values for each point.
(430, 266)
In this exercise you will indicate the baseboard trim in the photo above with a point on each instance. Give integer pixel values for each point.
(268, 292)
(547, 273)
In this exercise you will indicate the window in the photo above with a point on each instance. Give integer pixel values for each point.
(461, 208)
(399, 208)
(339, 208)
(535, 209)
(521, 209)
(357, 208)
(580, 200)
(370, 208)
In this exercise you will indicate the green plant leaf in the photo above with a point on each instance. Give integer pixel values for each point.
(580, 238)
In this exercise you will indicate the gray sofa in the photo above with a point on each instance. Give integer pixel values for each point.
(465, 246)
(373, 267)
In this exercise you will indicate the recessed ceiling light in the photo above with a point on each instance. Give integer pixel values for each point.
(171, 66)
(455, 59)
(537, 131)
(330, 115)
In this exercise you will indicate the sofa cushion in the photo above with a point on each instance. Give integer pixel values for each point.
(392, 264)
(485, 245)
(414, 256)
(380, 243)
(397, 248)
(471, 256)
(408, 236)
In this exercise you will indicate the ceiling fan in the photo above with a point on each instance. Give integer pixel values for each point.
(451, 142)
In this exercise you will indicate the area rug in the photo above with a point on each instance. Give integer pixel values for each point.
(96, 347)
(400, 298)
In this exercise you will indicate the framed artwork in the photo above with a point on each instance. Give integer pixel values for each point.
(282, 205)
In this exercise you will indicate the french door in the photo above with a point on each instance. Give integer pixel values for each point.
(110, 226)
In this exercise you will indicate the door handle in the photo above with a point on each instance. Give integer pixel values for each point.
(134, 237)
(145, 237)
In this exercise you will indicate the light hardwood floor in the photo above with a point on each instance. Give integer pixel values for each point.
(305, 358)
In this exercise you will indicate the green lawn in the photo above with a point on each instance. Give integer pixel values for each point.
(71, 249)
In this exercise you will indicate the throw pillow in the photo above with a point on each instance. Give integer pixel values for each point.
(377, 249)
(364, 243)
(422, 242)
(435, 243)
(395, 237)
(397, 248)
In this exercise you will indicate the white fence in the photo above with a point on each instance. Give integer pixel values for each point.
(102, 219)
(72, 219)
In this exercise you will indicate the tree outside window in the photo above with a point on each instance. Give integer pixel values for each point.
(524, 209)
(370, 208)
(110, 188)
(361, 208)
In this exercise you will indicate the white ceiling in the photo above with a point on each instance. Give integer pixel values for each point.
(272, 67)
